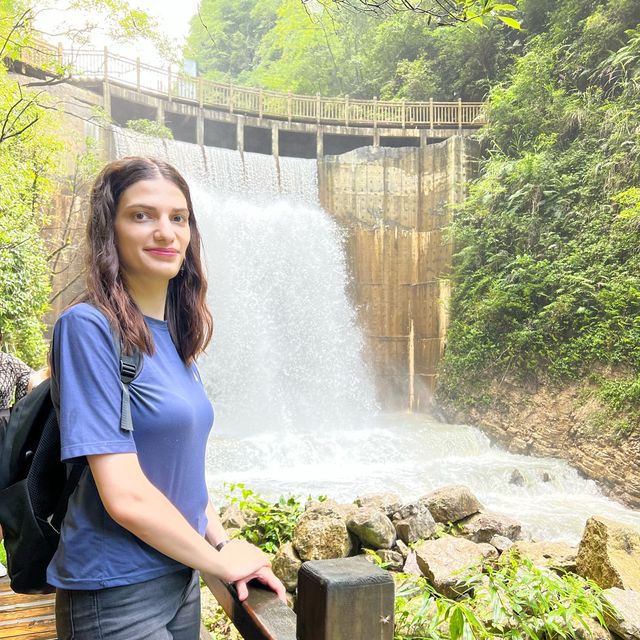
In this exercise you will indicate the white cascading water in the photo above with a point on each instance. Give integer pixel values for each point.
(295, 408)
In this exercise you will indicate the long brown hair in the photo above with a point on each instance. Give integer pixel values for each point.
(188, 317)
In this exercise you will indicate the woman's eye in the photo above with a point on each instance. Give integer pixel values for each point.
(180, 218)
(139, 215)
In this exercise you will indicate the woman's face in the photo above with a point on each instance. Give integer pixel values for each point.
(152, 231)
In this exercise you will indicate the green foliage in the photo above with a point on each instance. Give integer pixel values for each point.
(513, 599)
(286, 45)
(28, 153)
(150, 128)
(547, 267)
(274, 521)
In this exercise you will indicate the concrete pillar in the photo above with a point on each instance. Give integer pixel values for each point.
(106, 98)
(200, 127)
(160, 112)
(275, 140)
(376, 137)
(240, 134)
(319, 143)
(424, 138)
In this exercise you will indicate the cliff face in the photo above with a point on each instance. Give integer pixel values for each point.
(566, 422)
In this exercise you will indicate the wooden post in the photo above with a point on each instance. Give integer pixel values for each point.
(346, 110)
(404, 112)
(431, 114)
(459, 114)
(289, 110)
(375, 111)
(200, 91)
(318, 108)
(169, 83)
(344, 599)
(230, 97)
(138, 74)
(412, 355)
(260, 104)
(105, 64)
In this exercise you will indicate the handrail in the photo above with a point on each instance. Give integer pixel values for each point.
(104, 66)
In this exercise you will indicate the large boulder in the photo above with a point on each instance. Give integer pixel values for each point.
(451, 503)
(372, 527)
(444, 562)
(625, 622)
(286, 565)
(331, 506)
(388, 503)
(481, 527)
(609, 554)
(321, 535)
(558, 555)
(419, 526)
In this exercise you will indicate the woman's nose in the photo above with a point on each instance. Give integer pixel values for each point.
(164, 229)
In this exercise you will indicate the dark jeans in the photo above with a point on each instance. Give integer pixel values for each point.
(166, 608)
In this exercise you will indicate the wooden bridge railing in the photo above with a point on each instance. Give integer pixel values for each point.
(342, 599)
(92, 65)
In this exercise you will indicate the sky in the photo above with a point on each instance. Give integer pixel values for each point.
(173, 18)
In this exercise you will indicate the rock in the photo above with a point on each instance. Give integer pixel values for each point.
(609, 554)
(402, 548)
(392, 560)
(444, 561)
(548, 554)
(501, 543)
(451, 503)
(388, 503)
(321, 536)
(232, 517)
(546, 477)
(481, 527)
(326, 507)
(286, 565)
(516, 478)
(372, 527)
(488, 551)
(408, 510)
(411, 565)
(625, 622)
(418, 527)
(594, 631)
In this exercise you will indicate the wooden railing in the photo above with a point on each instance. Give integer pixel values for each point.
(104, 66)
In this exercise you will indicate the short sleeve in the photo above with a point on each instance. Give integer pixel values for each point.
(90, 390)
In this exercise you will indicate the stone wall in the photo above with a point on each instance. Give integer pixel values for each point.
(394, 205)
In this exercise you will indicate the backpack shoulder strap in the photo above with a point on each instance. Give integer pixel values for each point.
(130, 367)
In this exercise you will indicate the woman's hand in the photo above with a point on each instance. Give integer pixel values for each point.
(239, 560)
(268, 578)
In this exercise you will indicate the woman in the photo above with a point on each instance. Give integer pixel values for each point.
(140, 521)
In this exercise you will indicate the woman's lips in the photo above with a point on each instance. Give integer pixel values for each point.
(164, 253)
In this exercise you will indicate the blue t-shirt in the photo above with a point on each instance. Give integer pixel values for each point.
(172, 417)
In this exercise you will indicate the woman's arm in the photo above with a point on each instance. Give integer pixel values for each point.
(138, 506)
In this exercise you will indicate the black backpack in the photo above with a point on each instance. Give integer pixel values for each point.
(35, 486)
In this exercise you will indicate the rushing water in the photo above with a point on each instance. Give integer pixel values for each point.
(295, 409)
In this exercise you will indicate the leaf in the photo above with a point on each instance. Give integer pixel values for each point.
(510, 22)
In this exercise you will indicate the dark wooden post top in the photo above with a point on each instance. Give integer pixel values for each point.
(344, 599)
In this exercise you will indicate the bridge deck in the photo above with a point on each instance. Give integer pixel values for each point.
(26, 617)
